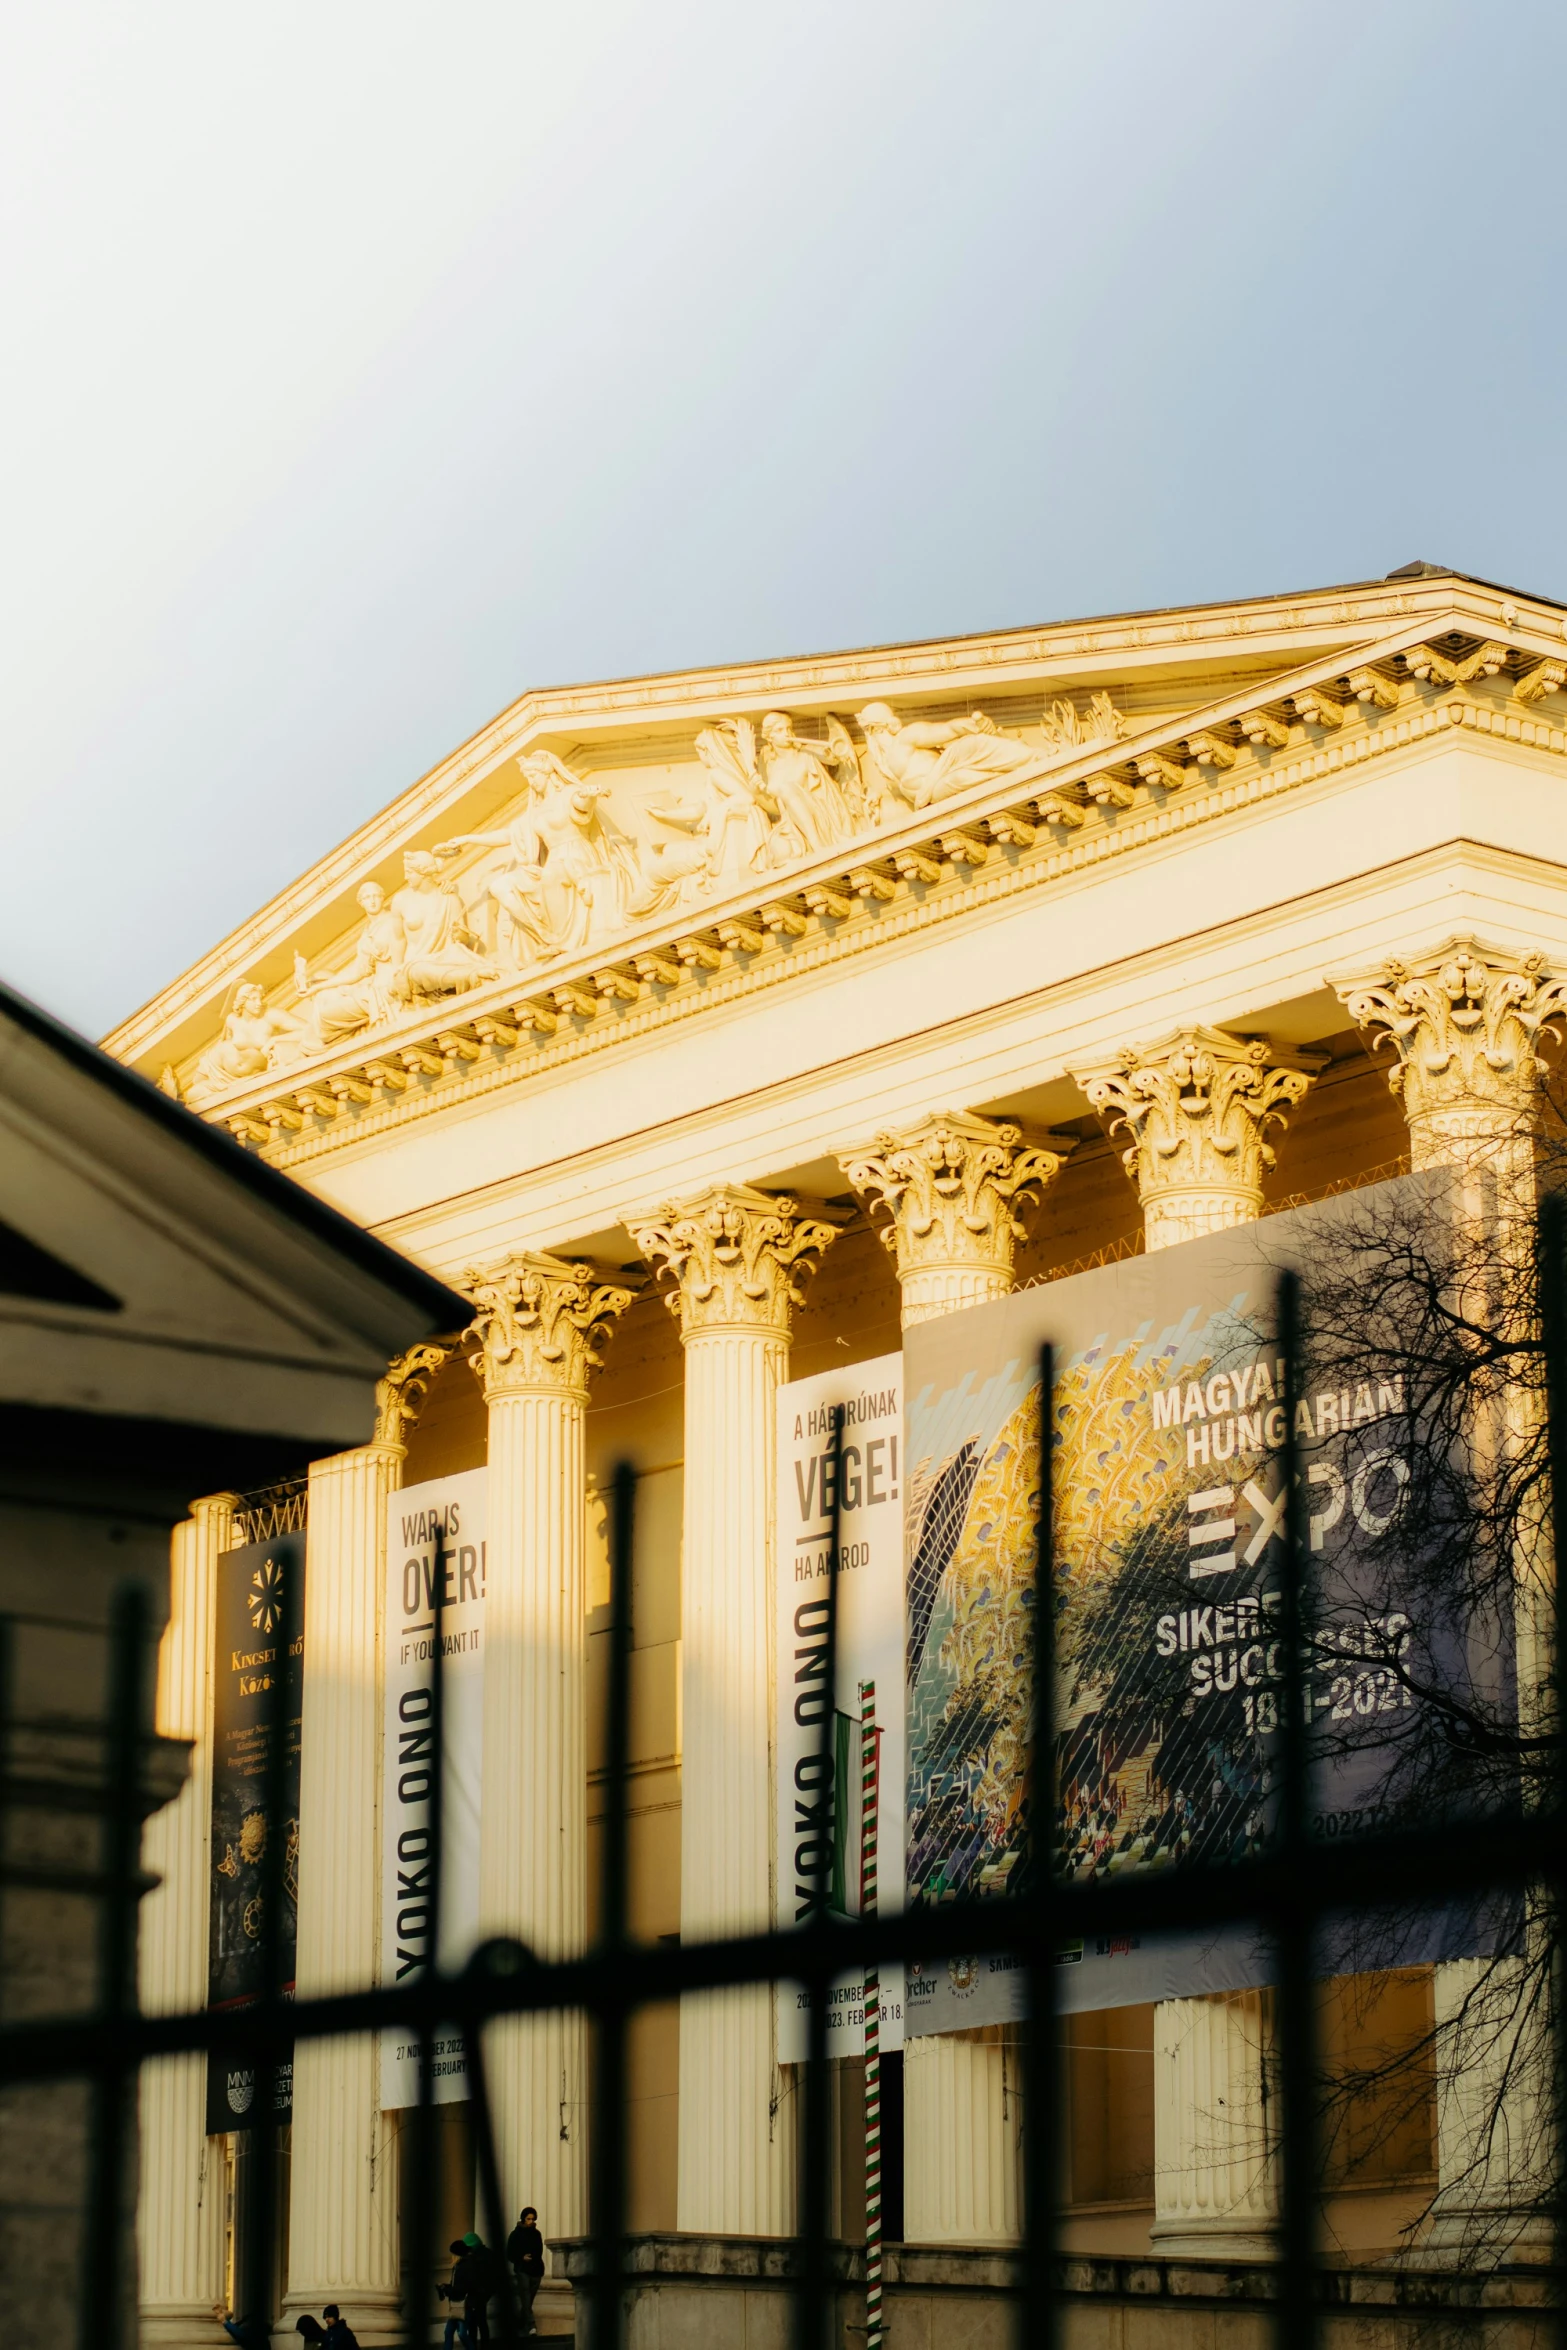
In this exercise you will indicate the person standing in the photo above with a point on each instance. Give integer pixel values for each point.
(477, 2271)
(525, 2251)
(454, 2292)
(339, 2333)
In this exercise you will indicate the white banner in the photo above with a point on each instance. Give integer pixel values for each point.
(869, 1399)
(434, 1530)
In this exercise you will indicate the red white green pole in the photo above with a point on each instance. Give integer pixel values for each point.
(870, 1805)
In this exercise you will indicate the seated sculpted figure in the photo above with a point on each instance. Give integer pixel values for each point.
(371, 988)
(253, 1042)
(441, 956)
(571, 872)
(922, 760)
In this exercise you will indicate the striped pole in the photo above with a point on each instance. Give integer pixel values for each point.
(870, 1804)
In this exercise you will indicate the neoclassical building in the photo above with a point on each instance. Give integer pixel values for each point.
(705, 1030)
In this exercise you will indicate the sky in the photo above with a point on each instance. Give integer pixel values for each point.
(368, 365)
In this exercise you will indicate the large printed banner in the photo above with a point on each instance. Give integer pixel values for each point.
(819, 1813)
(256, 1694)
(434, 1542)
(1169, 1529)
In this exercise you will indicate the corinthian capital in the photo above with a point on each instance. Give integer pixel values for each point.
(1464, 1024)
(541, 1324)
(1198, 1106)
(951, 1189)
(399, 1396)
(737, 1258)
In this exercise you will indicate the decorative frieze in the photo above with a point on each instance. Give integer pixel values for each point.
(541, 1323)
(571, 870)
(737, 1258)
(1464, 1024)
(952, 1189)
(1198, 1106)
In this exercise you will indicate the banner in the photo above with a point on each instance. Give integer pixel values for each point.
(260, 1590)
(434, 1541)
(817, 1822)
(1167, 1424)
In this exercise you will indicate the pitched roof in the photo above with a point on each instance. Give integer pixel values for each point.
(151, 1270)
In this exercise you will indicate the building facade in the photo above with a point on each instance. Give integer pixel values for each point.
(707, 1031)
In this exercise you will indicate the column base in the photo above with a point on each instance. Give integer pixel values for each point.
(554, 2307)
(1220, 2239)
(1457, 2236)
(179, 2325)
(374, 2312)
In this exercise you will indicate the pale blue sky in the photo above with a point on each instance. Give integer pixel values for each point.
(369, 364)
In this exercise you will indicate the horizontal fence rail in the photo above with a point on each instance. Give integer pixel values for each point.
(1288, 1888)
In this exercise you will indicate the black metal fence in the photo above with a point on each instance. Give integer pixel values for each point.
(1289, 1887)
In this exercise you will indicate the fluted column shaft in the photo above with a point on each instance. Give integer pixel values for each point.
(343, 2212)
(533, 1829)
(734, 2153)
(1198, 1106)
(540, 1325)
(962, 2179)
(180, 2206)
(1215, 2165)
(737, 1258)
(953, 1188)
(343, 2242)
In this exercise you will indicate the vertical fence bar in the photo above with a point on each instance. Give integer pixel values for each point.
(608, 2149)
(113, 2091)
(7, 1701)
(423, 2200)
(1552, 1261)
(870, 2003)
(813, 2293)
(481, 2120)
(1041, 2049)
(1293, 1933)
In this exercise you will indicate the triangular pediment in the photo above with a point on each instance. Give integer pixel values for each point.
(598, 844)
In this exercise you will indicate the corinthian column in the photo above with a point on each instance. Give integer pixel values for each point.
(541, 1326)
(1464, 1024)
(180, 2206)
(953, 1188)
(737, 1258)
(1198, 1106)
(342, 2242)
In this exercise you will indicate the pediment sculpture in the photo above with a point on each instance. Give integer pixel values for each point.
(573, 865)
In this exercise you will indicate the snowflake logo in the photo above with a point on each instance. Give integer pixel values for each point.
(265, 1596)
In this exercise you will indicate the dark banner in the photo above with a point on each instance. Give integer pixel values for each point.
(1167, 1424)
(257, 1693)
